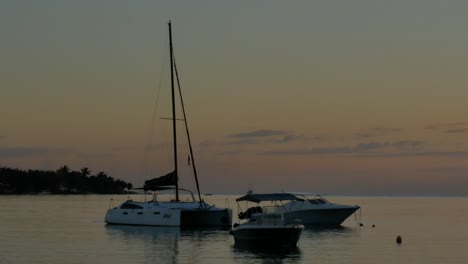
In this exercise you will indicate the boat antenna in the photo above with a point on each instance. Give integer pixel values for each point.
(174, 131)
(187, 130)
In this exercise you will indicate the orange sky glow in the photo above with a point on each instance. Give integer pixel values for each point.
(334, 97)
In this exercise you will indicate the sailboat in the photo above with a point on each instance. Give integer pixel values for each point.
(174, 212)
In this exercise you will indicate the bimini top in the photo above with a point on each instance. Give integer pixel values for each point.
(258, 197)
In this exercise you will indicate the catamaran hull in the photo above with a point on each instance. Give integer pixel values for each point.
(270, 237)
(326, 217)
(144, 217)
(206, 217)
(183, 214)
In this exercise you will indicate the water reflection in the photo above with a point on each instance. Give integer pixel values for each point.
(158, 232)
(319, 239)
(313, 238)
(329, 229)
(153, 233)
(321, 232)
(211, 245)
(170, 244)
(267, 255)
(137, 242)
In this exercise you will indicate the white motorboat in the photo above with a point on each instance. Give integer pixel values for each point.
(265, 226)
(175, 212)
(317, 210)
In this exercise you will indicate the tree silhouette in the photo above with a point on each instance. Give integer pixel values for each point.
(61, 181)
(85, 172)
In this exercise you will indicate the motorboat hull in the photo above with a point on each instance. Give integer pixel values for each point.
(270, 236)
(320, 216)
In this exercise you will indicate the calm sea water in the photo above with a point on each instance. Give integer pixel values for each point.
(70, 229)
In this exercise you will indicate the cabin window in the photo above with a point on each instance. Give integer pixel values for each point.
(156, 213)
(125, 213)
(140, 213)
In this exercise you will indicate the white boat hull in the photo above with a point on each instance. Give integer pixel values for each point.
(330, 216)
(185, 214)
(147, 217)
(317, 211)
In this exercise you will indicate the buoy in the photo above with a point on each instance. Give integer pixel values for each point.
(398, 239)
(361, 224)
(373, 225)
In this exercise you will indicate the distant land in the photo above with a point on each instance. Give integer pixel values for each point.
(61, 181)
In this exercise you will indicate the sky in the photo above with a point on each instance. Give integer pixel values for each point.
(331, 97)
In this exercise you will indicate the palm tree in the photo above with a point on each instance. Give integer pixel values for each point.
(64, 170)
(85, 172)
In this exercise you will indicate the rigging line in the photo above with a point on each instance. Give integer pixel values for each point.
(156, 102)
(174, 127)
(186, 128)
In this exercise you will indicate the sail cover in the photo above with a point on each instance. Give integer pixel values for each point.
(166, 180)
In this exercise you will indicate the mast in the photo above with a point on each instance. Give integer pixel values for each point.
(174, 128)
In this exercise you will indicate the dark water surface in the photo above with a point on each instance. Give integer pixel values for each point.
(70, 229)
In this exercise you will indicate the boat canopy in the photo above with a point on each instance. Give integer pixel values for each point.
(257, 197)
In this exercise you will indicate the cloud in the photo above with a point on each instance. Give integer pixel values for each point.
(445, 170)
(289, 138)
(27, 152)
(247, 141)
(312, 151)
(292, 137)
(400, 145)
(450, 126)
(408, 144)
(259, 133)
(375, 131)
(267, 136)
(453, 128)
(364, 135)
(458, 130)
(368, 148)
(349, 151)
(418, 154)
(386, 129)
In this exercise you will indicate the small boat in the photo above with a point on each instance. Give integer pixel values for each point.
(317, 210)
(175, 212)
(265, 226)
